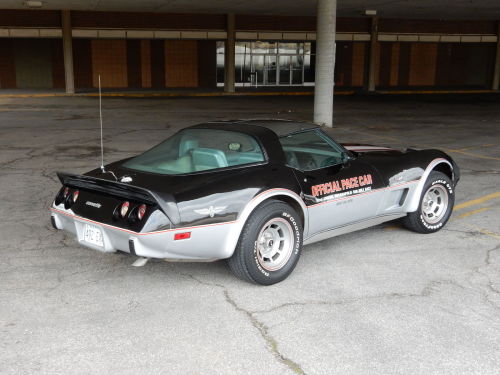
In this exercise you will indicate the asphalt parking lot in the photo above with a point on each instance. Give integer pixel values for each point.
(379, 301)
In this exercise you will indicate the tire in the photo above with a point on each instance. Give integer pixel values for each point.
(269, 246)
(435, 206)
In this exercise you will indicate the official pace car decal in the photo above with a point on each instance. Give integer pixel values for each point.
(343, 187)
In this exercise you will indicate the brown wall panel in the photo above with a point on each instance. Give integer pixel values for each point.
(343, 64)
(181, 63)
(7, 64)
(58, 78)
(404, 64)
(30, 18)
(423, 64)
(389, 64)
(385, 64)
(359, 50)
(109, 59)
(443, 64)
(394, 69)
(157, 63)
(465, 64)
(82, 63)
(145, 63)
(33, 58)
(134, 71)
(207, 64)
(148, 20)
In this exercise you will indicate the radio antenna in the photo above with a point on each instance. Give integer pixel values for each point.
(100, 120)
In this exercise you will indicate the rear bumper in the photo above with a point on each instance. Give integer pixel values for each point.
(207, 242)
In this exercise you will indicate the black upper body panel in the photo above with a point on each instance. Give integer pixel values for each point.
(219, 195)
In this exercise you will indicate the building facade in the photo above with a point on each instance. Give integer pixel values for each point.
(158, 51)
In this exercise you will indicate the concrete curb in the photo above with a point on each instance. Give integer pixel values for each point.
(260, 93)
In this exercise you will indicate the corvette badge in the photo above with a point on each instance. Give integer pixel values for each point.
(211, 211)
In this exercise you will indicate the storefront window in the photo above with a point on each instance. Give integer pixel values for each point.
(269, 63)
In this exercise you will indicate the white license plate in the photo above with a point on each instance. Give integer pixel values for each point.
(93, 235)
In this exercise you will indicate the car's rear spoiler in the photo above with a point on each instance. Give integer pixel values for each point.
(165, 201)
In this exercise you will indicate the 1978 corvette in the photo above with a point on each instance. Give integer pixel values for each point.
(252, 192)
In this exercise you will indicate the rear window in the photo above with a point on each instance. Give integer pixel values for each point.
(197, 150)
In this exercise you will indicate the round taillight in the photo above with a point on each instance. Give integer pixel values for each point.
(141, 211)
(76, 193)
(124, 209)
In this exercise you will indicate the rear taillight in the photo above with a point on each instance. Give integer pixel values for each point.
(76, 193)
(124, 209)
(141, 211)
(66, 192)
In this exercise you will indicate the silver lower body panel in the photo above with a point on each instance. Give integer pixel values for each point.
(207, 243)
(363, 224)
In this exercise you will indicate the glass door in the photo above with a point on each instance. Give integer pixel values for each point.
(270, 69)
(291, 69)
(284, 65)
(257, 70)
(297, 69)
(263, 70)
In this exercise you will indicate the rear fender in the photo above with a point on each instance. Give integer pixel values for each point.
(234, 235)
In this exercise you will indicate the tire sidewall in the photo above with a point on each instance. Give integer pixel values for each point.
(436, 178)
(257, 272)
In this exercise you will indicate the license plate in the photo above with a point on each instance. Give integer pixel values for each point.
(93, 235)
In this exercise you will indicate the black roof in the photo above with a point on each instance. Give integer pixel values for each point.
(279, 127)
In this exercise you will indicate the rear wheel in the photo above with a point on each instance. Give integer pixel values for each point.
(435, 207)
(269, 246)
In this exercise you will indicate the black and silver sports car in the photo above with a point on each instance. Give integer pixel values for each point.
(252, 192)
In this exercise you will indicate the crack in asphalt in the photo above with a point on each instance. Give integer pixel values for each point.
(273, 344)
(263, 330)
(489, 284)
(426, 292)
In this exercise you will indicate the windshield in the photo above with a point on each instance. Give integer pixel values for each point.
(196, 150)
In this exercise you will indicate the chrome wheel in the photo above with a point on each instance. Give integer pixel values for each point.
(275, 244)
(435, 204)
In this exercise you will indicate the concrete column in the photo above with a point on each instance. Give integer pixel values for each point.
(68, 51)
(229, 73)
(372, 63)
(325, 62)
(496, 74)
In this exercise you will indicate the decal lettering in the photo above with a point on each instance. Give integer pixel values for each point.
(93, 204)
(359, 183)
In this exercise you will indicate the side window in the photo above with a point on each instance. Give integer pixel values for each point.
(311, 150)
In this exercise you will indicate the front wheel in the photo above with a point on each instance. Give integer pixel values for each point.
(435, 207)
(269, 246)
